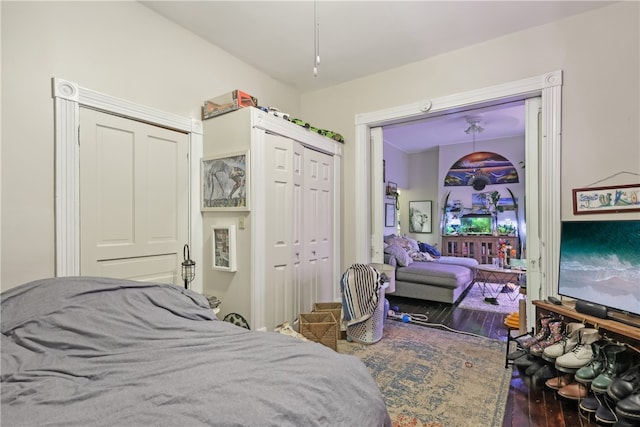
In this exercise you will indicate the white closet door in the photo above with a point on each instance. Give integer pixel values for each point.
(318, 280)
(133, 198)
(282, 230)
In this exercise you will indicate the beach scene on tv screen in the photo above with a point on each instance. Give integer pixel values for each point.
(600, 263)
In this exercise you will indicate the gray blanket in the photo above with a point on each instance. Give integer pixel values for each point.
(105, 352)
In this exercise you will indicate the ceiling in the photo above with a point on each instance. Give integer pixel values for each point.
(359, 38)
(500, 121)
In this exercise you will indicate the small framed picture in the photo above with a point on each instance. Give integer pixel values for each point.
(613, 199)
(420, 216)
(224, 247)
(390, 215)
(225, 182)
(392, 190)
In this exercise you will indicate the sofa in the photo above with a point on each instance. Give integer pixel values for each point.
(427, 276)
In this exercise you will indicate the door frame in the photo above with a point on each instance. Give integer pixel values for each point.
(548, 88)
(69, 97)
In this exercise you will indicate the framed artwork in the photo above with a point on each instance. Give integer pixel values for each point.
(392, 190)
(223, 240)
(613, 199)
(420, 217)
(225, 182)
(389, 214)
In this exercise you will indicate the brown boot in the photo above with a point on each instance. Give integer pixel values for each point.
(557, 383)
(574, 391)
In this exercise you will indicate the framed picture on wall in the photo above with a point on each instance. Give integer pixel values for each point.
(389, 214)
(420, 216)
(223, 240)
(612, 199)
(225, 182)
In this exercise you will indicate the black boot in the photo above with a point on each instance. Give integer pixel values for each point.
(629, 407)
(624, 385)
(604, 413)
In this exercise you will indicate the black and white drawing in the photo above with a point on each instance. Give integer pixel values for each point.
(420, 216)
(225, 182)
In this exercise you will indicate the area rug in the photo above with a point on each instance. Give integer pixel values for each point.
(435, 378)
(474, 300)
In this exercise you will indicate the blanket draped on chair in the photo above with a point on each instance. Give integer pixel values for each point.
(360, 286)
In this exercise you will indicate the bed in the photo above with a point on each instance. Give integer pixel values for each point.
(104, 352)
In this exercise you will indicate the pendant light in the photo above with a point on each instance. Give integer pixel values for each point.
(316, 38)
(478, 179)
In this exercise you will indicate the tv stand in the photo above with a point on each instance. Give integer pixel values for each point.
(614, 328)
(627, 319)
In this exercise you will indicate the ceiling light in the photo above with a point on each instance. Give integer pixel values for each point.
(474, 125)
(316, 38)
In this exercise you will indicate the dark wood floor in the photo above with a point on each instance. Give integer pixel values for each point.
(529, 404)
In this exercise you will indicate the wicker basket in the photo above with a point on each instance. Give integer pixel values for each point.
(320, 327)
(334, 307)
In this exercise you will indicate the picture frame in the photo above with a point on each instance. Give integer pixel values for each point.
(223, 243)
(611, 199)
(392, 190)
(420, 219)
(225, 182)
(389, 215)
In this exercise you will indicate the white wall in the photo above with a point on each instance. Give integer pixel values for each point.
(396, 172)
(597, 51)
(125, 50)
(119, 48)
(423, 185)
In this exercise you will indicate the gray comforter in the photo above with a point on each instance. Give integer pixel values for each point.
(105, 352)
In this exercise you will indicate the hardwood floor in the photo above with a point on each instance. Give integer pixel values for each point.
(528, 404)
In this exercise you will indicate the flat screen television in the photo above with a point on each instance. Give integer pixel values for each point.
(600, 263)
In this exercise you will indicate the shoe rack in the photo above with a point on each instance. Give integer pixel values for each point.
(599, 403)
(619, 331)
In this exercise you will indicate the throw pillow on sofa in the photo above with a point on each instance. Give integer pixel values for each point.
(420, 256)
(399, 253)
(431, 250)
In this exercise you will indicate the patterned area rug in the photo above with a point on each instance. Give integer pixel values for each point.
(434, 378)
(474, 300)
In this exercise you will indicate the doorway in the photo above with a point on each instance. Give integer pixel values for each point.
(69, 97)
(542, 172)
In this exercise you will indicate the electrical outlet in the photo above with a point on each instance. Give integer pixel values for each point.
(241, 223)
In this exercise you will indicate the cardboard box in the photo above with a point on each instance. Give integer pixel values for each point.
(226, 103)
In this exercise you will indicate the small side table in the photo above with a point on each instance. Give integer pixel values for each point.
(489, 275)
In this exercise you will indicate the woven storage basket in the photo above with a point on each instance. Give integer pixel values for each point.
(370, 331)
(320, 327)
(334, 307)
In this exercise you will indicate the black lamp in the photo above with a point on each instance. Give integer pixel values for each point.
(188, 267)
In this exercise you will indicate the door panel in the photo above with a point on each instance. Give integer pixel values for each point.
(280, 295)
(318, 229)
(133, 198)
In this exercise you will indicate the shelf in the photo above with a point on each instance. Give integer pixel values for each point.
(567, 309)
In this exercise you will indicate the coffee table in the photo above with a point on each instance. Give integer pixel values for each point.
(496, 281)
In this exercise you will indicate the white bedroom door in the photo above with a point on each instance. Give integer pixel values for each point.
(133, 198)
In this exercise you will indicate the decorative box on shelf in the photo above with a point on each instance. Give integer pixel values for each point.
(226, 103)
